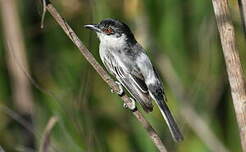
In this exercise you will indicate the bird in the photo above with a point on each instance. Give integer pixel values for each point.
(126, 60)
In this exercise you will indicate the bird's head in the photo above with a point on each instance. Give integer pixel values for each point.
(112, 32)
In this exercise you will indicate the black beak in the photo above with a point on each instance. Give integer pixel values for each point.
(93, 27)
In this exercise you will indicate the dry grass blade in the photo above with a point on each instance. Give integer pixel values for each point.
(190, 116)
(45, 141)
(43, 14)
(242, 7)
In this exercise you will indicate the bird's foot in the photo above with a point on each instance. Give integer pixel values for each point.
(132, 105)
(121, 91)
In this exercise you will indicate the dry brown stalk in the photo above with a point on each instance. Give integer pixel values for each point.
(242, 7)
(233, 65)
(16, 57)
(45, 141)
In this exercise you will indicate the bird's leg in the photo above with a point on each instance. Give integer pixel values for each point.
(121, 91)
(132, 107)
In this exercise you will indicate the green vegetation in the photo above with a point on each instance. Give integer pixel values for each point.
(91, 118)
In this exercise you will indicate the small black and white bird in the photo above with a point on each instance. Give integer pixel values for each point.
(127, 61)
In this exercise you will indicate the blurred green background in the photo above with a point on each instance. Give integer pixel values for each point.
(182, 40)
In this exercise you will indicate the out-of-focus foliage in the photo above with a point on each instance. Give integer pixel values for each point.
(93, 119)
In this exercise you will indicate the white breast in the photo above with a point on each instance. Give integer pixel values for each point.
(111, 41)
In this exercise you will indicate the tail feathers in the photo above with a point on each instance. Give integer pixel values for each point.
(172, 125)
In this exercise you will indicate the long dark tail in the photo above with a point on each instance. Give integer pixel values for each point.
(172, 125)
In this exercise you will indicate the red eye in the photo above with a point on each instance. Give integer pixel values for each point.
(108, 30)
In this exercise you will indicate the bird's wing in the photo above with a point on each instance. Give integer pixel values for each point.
(156, 91)
(131, 80)
(161, 88)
